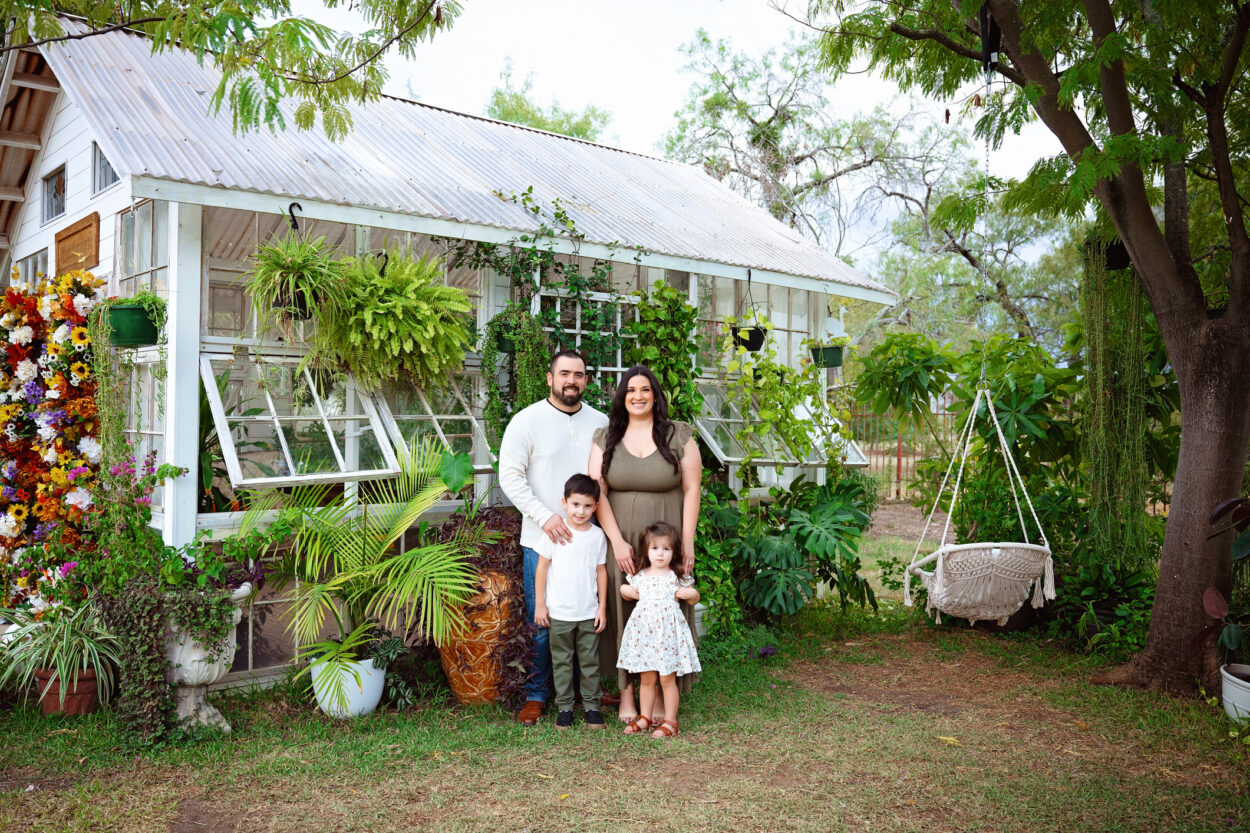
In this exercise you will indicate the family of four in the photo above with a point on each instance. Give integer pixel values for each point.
(618, 595)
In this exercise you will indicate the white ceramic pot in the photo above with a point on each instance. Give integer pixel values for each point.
(700, 619)
(1236, 692)
(194, 667)
(362, 695)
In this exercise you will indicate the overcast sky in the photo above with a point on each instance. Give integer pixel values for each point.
(624, 57)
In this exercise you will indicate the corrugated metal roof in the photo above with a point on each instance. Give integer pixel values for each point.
(150, 115)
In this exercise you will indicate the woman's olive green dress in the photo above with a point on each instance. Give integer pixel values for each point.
(640, 492)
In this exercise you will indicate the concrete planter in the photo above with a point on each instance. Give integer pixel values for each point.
(194, 667)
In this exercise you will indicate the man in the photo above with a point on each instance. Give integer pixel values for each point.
(542, 447)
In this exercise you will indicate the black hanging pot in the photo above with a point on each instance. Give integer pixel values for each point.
(296, 306)
(752, 338)
(830, 356)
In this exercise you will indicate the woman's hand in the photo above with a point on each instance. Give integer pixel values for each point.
(624, 555)
(629, 593)
(687, 557)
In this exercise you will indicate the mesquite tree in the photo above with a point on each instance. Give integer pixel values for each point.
(1148, 99)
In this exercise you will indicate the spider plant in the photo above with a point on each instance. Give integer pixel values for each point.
(353, 568)
(63, 641)
(292, 277)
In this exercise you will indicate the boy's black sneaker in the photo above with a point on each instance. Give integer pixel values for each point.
(564, 720)
(594, 720)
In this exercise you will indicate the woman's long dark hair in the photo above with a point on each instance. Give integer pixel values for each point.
(662, 427)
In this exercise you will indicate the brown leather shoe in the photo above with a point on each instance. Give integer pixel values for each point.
(530, 712)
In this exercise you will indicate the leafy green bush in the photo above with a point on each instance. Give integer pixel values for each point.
(664, 340)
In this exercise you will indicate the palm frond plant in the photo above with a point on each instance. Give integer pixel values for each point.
(69, 642)
(353, 570)
(398, 322)
(292, 278)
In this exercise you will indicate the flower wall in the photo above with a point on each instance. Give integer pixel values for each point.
(49, 447)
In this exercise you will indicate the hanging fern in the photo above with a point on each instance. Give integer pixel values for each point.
(401, 326)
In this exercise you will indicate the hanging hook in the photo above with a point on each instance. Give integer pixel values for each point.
(386, 259)
(291, 221)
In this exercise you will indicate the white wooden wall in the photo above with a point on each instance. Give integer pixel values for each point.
(67, 141)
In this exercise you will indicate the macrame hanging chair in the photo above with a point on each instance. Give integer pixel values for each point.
(989, 580)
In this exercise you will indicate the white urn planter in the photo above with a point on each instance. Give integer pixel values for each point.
(1236, 691)
(362, 696)
(194, 667)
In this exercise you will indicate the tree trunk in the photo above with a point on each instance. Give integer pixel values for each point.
(1215, 411)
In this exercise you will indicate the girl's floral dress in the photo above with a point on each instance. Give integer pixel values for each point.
(657, 637)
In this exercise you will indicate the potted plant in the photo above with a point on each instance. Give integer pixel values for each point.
(347, 570)
(135, 321)
(69, 651)
(827, 352)
(396, 322)
(749, 336)
(526, 367)
(292, 277)
(487, 659)
(1234, 677)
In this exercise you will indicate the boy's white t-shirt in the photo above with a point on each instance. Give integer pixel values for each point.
(572, 583)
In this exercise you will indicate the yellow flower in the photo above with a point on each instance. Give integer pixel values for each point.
(18, 511)
(79, 336)
(80, 370)
(65, 458)
(58, 476)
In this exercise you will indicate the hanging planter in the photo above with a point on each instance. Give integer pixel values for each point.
(752, 338)
(827, 356)
(131, 325)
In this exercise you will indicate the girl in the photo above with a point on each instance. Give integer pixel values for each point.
(657, 641)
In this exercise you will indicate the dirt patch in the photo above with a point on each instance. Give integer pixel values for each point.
(28, 779)
(904, 521)
(195, 816)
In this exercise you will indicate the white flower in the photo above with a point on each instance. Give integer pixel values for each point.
(26, 370)
(45, 306)
(8, 526)
(83, 304)
(22, 335)
(52, 393)
(79, 497)
(47, 433)
(61, 333)
(50, 456)
(90, 448)
(36, 603)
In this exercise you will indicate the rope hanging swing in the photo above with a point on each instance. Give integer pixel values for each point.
(988, 580)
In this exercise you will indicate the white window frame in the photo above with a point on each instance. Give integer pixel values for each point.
(771, 452)
(626, 311)
(372, 406)
(97, 186)
(30, 267)
(46, 214)
(482, 463)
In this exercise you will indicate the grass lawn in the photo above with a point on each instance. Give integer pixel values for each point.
(860, 722)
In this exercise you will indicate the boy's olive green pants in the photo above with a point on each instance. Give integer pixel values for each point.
(569, 640)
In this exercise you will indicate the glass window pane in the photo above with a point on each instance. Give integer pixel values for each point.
(128, 245)
(143, 238)
(160, 233)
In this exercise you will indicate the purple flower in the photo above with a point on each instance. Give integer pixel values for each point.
(8, 492)
(43, 530)
(67, 568)
(33, 391)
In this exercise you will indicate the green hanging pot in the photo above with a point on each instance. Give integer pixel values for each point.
(131, 325)
(827, 356)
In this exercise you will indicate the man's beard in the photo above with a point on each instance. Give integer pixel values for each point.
(568, 399)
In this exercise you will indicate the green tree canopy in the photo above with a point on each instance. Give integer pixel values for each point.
(265, 53)
(1148, 100)
(512, 104)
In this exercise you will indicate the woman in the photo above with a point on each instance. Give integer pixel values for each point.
(650, 470)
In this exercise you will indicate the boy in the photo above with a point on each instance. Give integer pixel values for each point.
(571, 592)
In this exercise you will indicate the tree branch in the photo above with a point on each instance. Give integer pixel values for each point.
(126, 24)
(943, 39)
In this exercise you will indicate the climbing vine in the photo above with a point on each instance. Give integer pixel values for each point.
(664, 340)
(525, 378)
(587, 315)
